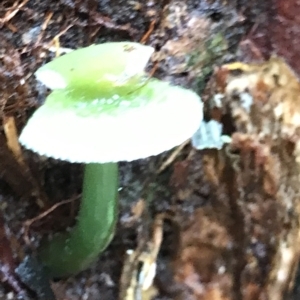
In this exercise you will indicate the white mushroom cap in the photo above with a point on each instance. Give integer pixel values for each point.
(160, 118)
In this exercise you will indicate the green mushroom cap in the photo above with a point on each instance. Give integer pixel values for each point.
(103, 109)
(106, 68)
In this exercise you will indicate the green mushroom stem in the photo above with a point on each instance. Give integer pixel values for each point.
(69, 253)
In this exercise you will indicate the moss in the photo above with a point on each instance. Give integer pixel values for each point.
(202, 61)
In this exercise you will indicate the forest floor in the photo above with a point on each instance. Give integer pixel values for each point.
(211, 245)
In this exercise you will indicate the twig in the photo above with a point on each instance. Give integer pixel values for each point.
(153, 70)
(12, 27)
(107, 22)
(140, 280)
(44, 27)
(28, 223)
(12, 12)
(146, 36)
(12, 139)
(172, 157)
(13, 145)
(56, 42)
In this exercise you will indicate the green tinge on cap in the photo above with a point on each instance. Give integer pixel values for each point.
(103, 109)
(105, 67)
(148, 121)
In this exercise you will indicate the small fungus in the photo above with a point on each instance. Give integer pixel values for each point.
(104, 109)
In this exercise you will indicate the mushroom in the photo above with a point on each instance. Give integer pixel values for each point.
(103, 109)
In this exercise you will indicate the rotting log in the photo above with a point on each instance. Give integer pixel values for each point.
(242, 239)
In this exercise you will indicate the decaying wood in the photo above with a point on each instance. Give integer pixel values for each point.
(243, 239)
